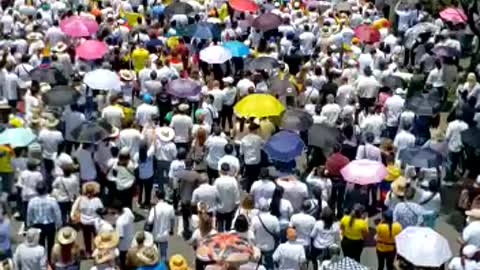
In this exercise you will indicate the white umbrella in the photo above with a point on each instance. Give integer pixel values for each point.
(215, 55)
(423, 247)
(102, 79)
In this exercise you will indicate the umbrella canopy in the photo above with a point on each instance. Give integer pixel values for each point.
(237, 48)
(215, 55)
(346, 263)
(184, 88)
(259, 105)
(446, 51)
(296, 119)
(267, 21)
(243, 5)
(423, 247)
(90, 132)
(367, 33)
(178, 8)
(280, 86)
(453, 15)
(322, 136)
(343, 6)
(91, 50)
(414, 32)
(364, 172)
(102, 79)
(226, 248)
(17, 137)
(424, 104)
(421, 157)
(49, 75)
(262, 62)
(79, 26)
(471, 137)
(393, 82)
(284, 146)
(61, 95)
(203, 30)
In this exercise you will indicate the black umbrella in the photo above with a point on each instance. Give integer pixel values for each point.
(471, 137)
(424, 104)
(343, 6)
(393, 82)
(90, 132)
(446, 51)
(61, 95)
(267, 21)
(280, 86)
(49, 75)
(262, 62)
(296, 119)
(322, 136)
(421, 157)
(178, 8)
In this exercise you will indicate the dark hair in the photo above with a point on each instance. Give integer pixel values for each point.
(264, 173)
(114, 151)
(388, 219)
(160, 194)
(142, 152)
(140, 238)
(228, 148)
(241, 224)
(41, 188)
(224, 167)
(327, 217)
(356, 213)
(182, 153)
(276, 199)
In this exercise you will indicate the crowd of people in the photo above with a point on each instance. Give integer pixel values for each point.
(307, 129)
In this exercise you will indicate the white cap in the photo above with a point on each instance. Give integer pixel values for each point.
(469, 251)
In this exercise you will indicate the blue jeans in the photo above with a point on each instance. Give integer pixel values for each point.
(163, 248)
(267, 260)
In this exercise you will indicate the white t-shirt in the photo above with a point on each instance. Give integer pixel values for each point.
(456, 264)
(215, 146)
(125, 228)
(163, 217)
(88, 209)
(145, 113)
(88, 170)
(113, 115)
(471, 234)
(250, 148)
(289, 256)
(393, 108)
(50, 139)
(182, 124)
(131, 139)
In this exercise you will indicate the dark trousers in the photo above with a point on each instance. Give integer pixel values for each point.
(49, 166)
(65, 208)
(126, 197)
(212, 174)
(251, 174)
(145, 185)
(385, 259)
(453, 160)
(338, 195)
(224, 221)
(352, 248)
(47, 236)
(227, 115)
(123, 259)
(186, 214)
(267, 260)
(185, 146)
(88, 232)
(318, 254)
(390, 132)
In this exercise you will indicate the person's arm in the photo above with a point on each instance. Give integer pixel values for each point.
(30, 211)
(58, 215)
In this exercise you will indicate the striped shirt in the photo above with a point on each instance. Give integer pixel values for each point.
(43, 210)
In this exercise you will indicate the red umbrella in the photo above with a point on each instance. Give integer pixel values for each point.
(454, 15)
(91, 50)
(367, 33)
(243, 5)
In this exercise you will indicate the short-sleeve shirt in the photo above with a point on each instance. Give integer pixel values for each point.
(386, 236)
(355, 231)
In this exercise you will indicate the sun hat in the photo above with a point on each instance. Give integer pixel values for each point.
(50, 121)
(34, 36)
(399, 186)
(148, 255)
(91, 187)
(178, 262)
(165, 134)
(106, 240)
(7, 264)
(126, 75)
(475, 213)
(104, 255)
(66, 235)
(183, 107)
(469, 251)
(60, 47)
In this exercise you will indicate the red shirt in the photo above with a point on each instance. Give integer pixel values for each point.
(335, 163)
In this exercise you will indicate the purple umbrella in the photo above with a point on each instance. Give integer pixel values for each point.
(284, 146)
(267, 21)
(184, 88)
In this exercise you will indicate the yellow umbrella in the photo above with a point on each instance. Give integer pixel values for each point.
(259, 105)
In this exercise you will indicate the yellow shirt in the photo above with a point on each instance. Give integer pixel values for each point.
(6, 155)
(385, 238)
(138, 58)
(354, 232)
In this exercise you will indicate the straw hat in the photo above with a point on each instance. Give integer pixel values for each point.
(475, 213)
(126, 75)
(399, 186)
(91, 187)
(7, 264)
(45, 87)
(104, 256)
(50, 121)
(178, 262)
(106, 240)
(183, 107)
(34, 36)
(148, 255)
(60, 47)
(67, 235)
(165, 134)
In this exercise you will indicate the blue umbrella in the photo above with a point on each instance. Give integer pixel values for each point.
(237, 48)
(421, 157)
(17, 137)
(284, 146)
(203, 30)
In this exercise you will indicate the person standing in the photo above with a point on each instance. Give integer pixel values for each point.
(29, 254)
(125, 229)
(165, 153)
(145, 173)
(229, 198)
(385, 237)
(229, 97)
(335, 162)
(66, 252)
(182, 124)
(354, 230)
(162, 221)
(454, 138)
(124, 177)
(27, 182)
(303, 224)
(49, 137)
(291, 254)
(205, 193)
(43, 212)
(263, 188)
(266, 229)
(251, 150)
(215, 151)
(325, 233)
(66, 189)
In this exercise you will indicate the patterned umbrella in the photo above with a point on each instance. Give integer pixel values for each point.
(347, 264)
(262, 62)
(417, 30)
(90, 132)
(225, 248)
(61, 95)
(446, 51)
(296, 119)
(184, 88)
(284, 146)
(393, 82)
(267, 21)
(50, 75)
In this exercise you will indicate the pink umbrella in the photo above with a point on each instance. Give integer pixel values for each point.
(78, 26)
(364, 172)
(91, 50)
(454, 15)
